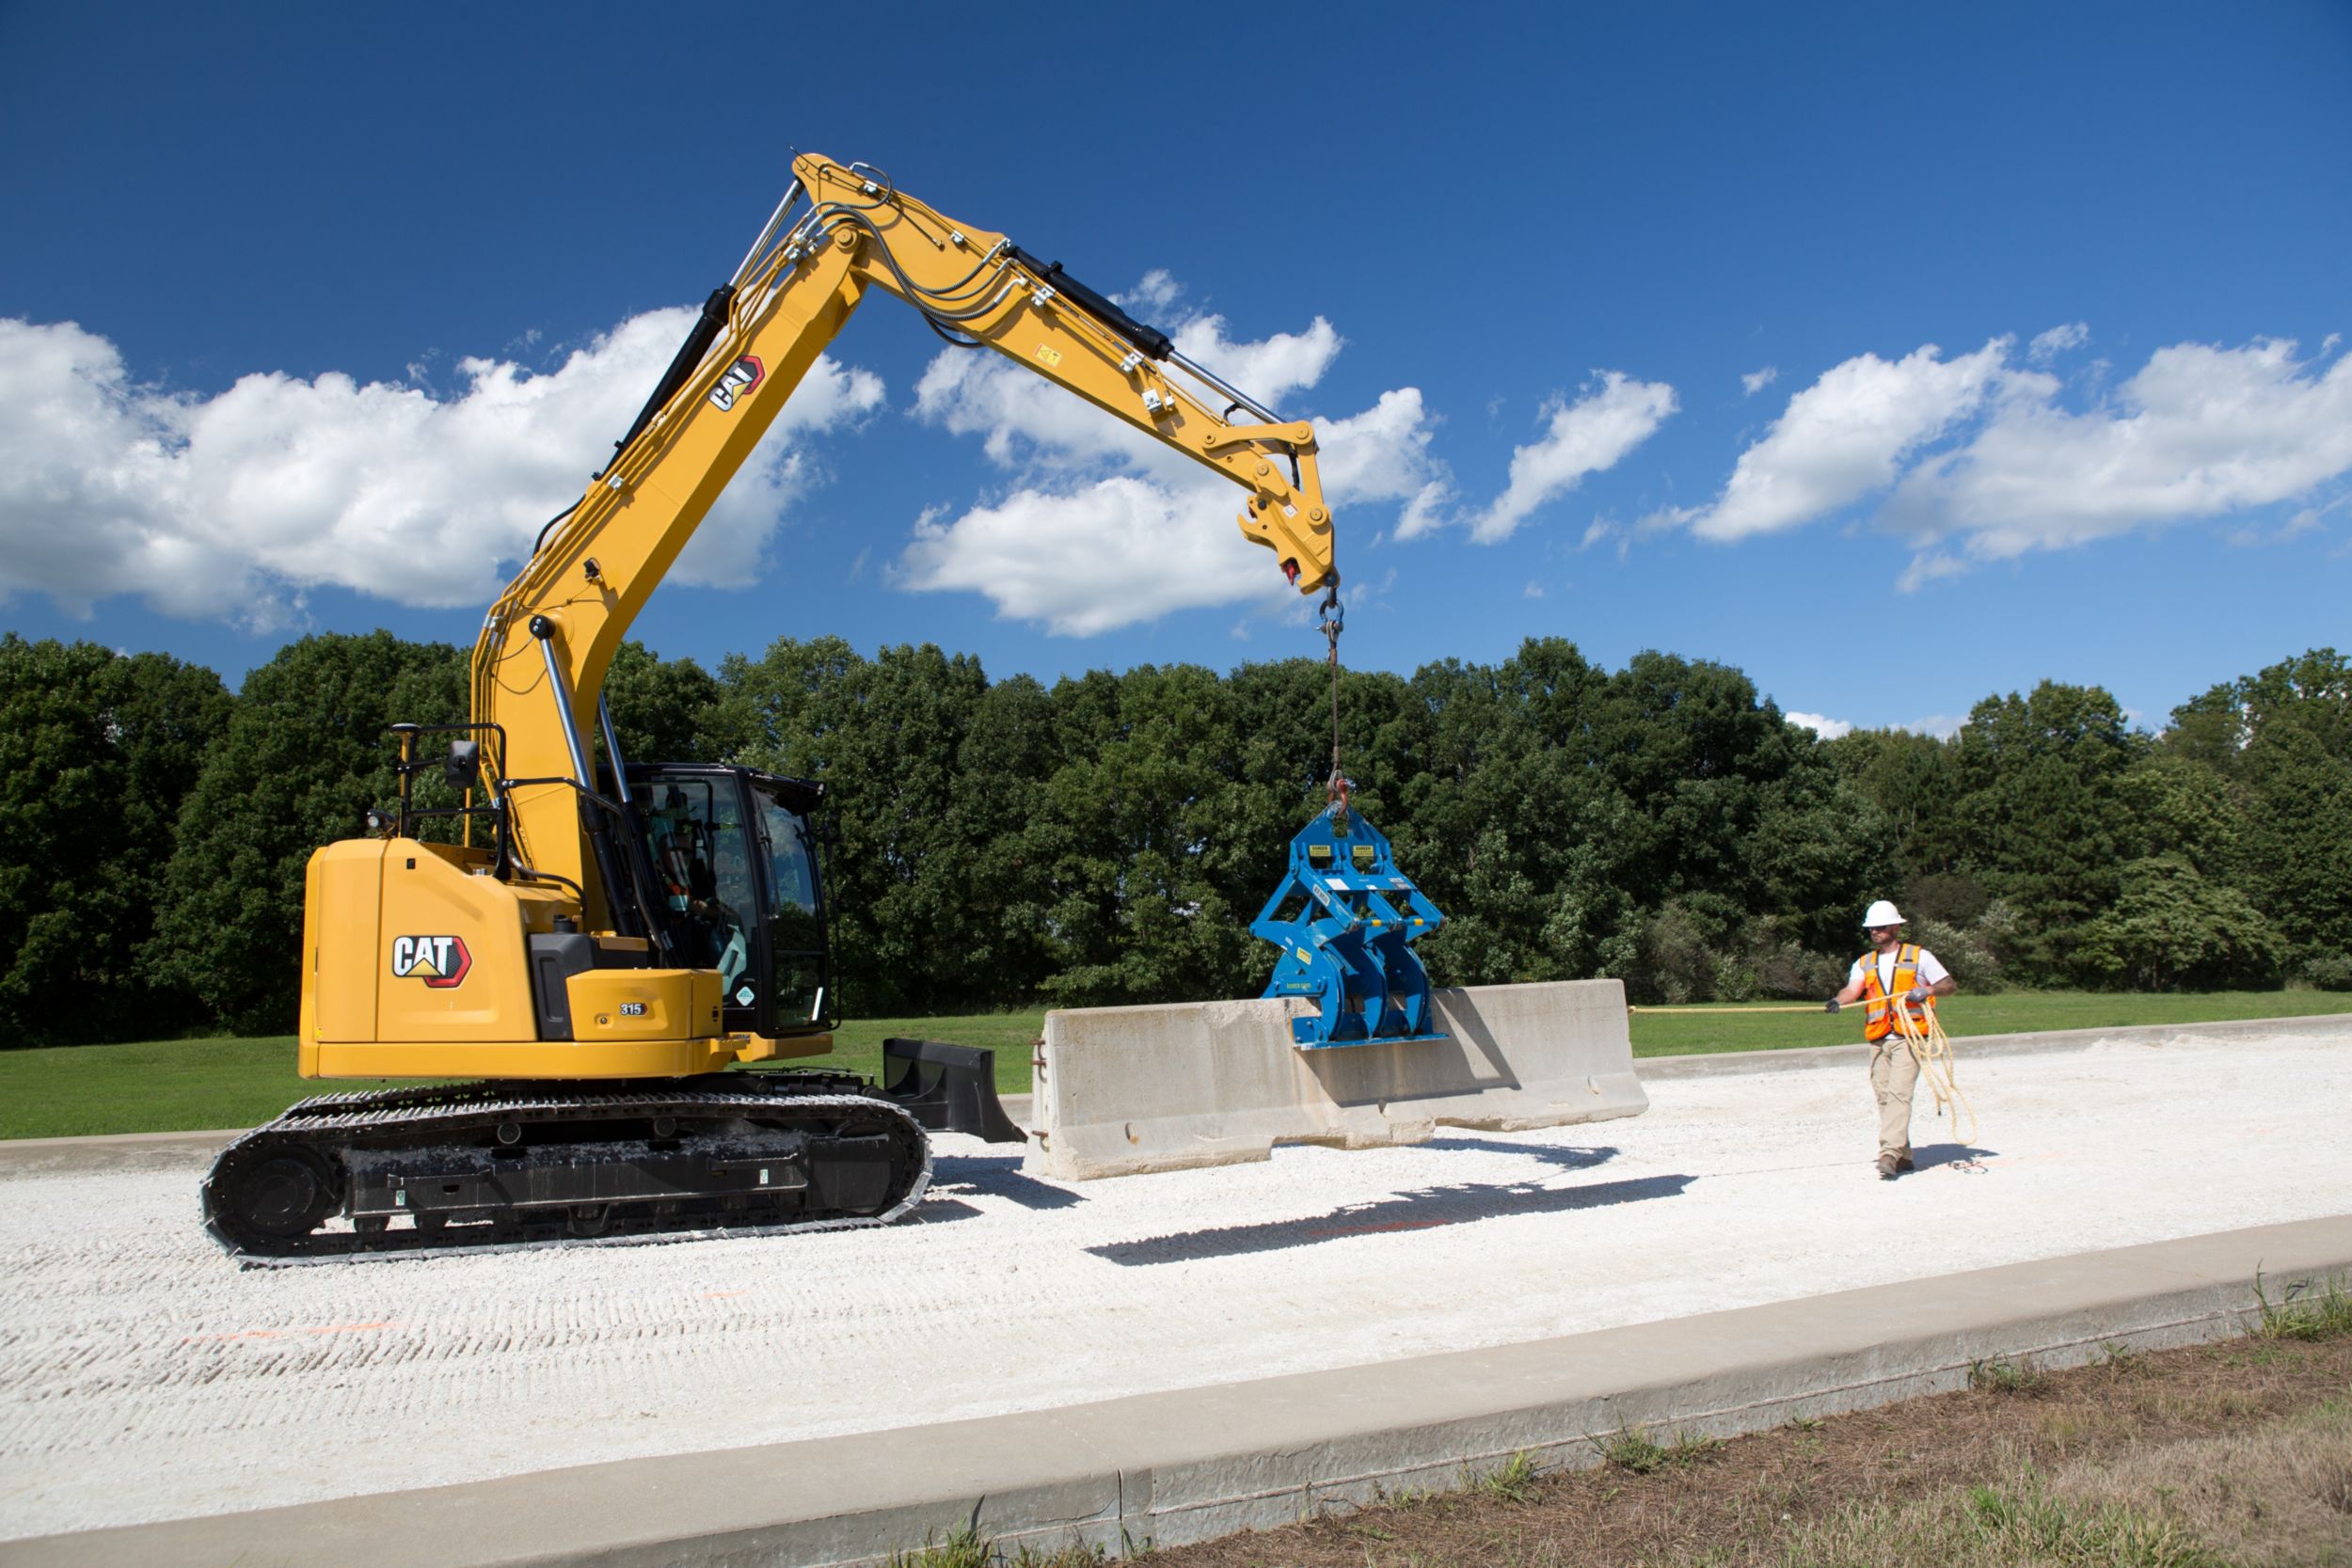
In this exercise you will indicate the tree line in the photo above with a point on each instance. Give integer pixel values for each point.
(1107, 838)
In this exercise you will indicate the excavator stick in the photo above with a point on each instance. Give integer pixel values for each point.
(948, 1088)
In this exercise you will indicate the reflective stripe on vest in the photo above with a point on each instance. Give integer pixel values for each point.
(1881, 1018)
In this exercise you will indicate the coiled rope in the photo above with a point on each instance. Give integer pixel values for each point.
(1932, 1048)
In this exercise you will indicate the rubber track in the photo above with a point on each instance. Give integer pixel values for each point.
(463, 1110)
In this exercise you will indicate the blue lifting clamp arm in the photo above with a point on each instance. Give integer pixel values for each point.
(1345, 917)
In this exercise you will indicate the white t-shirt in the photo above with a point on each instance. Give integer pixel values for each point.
(1931, 971)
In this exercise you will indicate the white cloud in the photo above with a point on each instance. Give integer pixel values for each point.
(1106, 527)
(1157, 292)
(1086, 561)
(2199, 431)
(1023, 417)
(2311, 519)
(1843, 437)
(1581, 438)
(1928, 567)
(1268, 368)
(1756, 380)
(1981, 462)
(1828, 729)
(231, 506)
(1381, 453)
(2047, 346)
(1942, 726)
(1534, 589)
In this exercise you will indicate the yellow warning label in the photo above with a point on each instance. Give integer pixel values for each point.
(1047, 355)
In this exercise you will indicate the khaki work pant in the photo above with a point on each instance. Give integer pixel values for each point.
(1894, 1074)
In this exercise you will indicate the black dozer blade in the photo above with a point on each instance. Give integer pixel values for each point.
(948, 1088)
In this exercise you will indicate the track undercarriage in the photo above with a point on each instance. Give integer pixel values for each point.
(466, 1167)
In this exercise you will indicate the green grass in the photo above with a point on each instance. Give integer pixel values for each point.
(857, 1046)
(1633, 1448)
(968, 1548)
(2303, 1313)
(182, 1085)
(187, 1085)
(1510, 1481)
(153, 1086)
(2006, 1377)
(2010, 1526)
(1675, 1031)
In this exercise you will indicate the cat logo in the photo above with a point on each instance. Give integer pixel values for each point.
(740, 377)
(440, 962)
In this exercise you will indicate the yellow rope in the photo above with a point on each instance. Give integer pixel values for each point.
(1932, 1048)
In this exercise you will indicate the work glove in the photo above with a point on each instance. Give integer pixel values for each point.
(1830, 1005)
(1915, 996)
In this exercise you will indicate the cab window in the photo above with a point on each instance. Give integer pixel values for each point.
(701, 855)
(796, 921)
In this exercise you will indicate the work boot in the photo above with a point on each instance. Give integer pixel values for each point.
(1903, 1164)
(1890, 1166)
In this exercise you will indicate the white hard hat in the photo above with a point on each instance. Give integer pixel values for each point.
(1881, 913)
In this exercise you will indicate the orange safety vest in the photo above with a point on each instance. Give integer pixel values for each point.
(1882, 1020)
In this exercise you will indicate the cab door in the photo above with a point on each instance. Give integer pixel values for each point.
(799, 953)
(702, 837)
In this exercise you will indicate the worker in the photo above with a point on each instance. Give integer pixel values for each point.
(1894, 973)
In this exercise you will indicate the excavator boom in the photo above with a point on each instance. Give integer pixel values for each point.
(841, 231)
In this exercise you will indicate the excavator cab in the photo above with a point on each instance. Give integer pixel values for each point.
(736, 870)
(735, 858)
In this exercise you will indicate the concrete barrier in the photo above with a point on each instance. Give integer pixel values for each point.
(1121, 1091)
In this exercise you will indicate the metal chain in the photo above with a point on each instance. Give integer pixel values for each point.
(1334, 622)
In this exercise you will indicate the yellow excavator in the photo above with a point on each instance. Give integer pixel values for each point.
(609, 935)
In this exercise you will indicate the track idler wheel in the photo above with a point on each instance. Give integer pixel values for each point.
(286, 1193)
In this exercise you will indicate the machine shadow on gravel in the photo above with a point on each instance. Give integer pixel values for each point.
(1424, 1210)
(1551, 1154)
(1000, 1177)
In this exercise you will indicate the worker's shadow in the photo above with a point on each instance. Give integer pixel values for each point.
(1929, 1156)
(998, 1175)
(1424, 1210)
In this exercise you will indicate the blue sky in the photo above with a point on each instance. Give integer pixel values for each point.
(2040, 305)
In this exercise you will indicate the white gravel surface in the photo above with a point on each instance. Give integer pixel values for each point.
(144, 1376)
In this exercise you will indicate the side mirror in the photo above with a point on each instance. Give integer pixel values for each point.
(463, 768)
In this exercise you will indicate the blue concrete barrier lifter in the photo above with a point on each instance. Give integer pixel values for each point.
(1343, 917)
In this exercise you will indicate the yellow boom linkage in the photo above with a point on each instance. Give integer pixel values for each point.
(388, 920)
